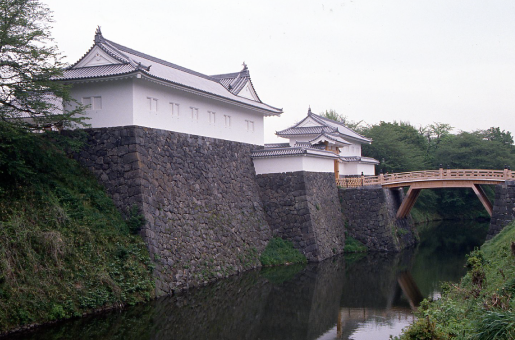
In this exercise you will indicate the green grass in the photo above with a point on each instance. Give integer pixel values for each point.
(279, 251)
(65, 250)
(482, 305)
(354, 246)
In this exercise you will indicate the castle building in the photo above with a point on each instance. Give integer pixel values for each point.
(122, 87)
(316, 144)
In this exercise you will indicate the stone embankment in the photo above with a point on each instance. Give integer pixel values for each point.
(199, 196)
(209, 216)
(303, 207)
(370, 218)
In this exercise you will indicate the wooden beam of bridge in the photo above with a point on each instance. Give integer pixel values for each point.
(416, 187)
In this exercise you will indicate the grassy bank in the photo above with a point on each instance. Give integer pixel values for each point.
(64, 248)
(482, 305)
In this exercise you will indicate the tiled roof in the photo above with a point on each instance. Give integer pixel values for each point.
(132, 61)
(331, 137)
(310, 145)
(98, 71)
(344, 130)
(306, 130)
(369, 160)
(359, 159)
(350, 158)
(277, 145)
(235, 82)
(281, 152)
(326, 125)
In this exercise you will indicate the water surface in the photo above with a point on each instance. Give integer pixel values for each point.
(346, 297)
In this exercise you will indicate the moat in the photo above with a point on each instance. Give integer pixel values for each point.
(353, 296)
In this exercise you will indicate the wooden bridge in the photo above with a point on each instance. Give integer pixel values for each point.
(431, 179)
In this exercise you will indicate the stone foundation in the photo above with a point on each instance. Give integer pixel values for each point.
(303, 207)
(205, 219)
(370, 218)
(504, 208)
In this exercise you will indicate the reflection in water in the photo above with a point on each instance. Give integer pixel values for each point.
(342, 298)
(410, 289)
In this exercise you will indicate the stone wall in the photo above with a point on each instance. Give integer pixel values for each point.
(303, 207)
(204, 216)
(504, 208)
(370, 212)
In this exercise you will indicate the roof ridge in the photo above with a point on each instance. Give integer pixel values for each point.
(159, 61)
(225, 75)
(339, 123)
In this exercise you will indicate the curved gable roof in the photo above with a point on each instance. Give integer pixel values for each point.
(326, 125)
(130, 61)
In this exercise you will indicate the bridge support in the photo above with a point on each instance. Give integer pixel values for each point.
(483, 198)
(369, 213)
(408, 202)
(415, 188)
(504, 208)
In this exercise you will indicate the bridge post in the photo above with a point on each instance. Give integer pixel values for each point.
(441, 171)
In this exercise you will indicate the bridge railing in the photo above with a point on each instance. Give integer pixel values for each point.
(449, 174)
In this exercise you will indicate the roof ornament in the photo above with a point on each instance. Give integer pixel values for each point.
(309, 110)
(98, 35)
(244, 66)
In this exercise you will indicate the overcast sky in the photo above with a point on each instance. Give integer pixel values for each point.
(426, 61)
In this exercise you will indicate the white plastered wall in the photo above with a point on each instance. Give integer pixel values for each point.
(367, 169)
(125, 102)
(356, 168)
(351, 150)
(116, 99)
(293, 163)
(245, 126)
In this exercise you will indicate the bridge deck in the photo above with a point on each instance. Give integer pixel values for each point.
(432, 178)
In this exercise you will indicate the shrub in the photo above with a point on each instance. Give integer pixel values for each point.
(354, 246)
(279, 251)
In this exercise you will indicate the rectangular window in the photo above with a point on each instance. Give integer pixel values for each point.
(152, 104)
(87, 102)
(97, 103)
(194, 113)
(92, 103)
(250, 126)
(174, 109)
(212, 117)
(227, 121)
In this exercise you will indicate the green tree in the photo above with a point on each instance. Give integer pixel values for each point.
(473, 151)
(495, 134)
(29, 64)
(399, 147)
